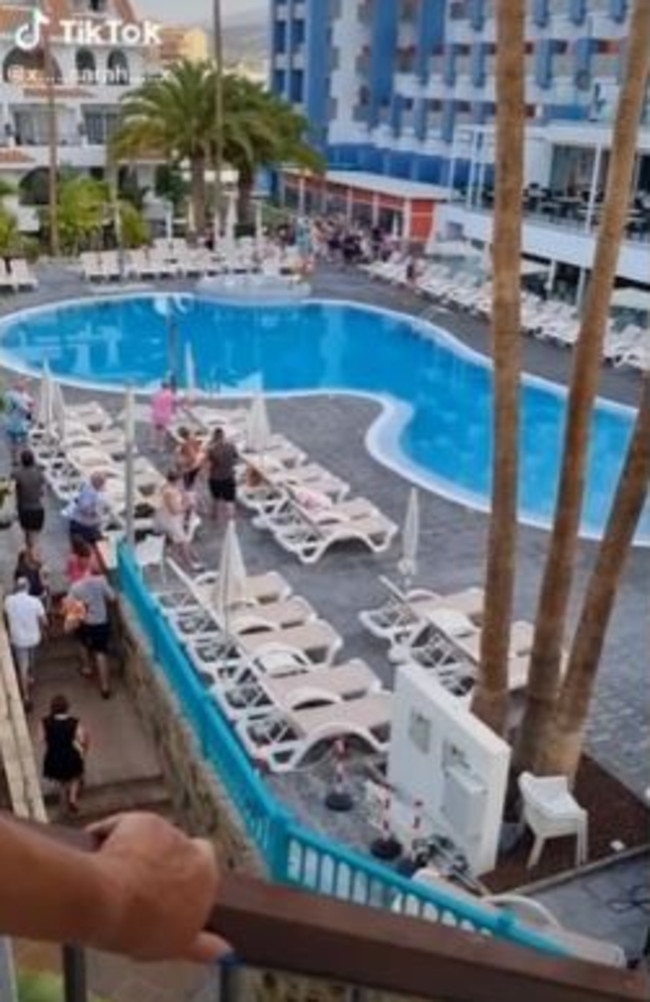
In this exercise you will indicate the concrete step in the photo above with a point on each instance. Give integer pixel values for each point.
(97, 802)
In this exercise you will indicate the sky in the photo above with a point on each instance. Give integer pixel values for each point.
(192, 11)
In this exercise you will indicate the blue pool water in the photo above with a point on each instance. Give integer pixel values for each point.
(439, 432)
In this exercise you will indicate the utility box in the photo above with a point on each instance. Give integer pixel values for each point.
(443, 755)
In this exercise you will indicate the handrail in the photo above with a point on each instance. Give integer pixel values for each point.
(282, 929)
(293, 854)
(16, 750)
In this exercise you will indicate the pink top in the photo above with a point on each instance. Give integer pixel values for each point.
(78, 567)
(163, 404)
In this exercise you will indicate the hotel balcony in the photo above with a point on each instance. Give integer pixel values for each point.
(561, 239)
(295, 944)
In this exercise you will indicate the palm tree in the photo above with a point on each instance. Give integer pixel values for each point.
(490, 701)
(556, 583)
(174, 119)
(261, 130)
(564, 747)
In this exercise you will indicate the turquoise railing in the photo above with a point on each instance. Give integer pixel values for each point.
(293, 854)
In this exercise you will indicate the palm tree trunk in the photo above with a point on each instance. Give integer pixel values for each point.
(53, 143)
(219, 108)
(490, 701)
(564, 748)
(245, 187)
(197, 192)
(556, 584)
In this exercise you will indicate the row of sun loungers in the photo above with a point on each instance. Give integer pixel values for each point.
(269, 664)
(301, 503)
(92, 443)
(442, 633)
(177, 259)
(16, 275)
(548, 320)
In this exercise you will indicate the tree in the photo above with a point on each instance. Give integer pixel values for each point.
(562, 753)
(261, 130)
(81, 211)
(172, 118)
(133, 226)
(9, 235)
(551, 614)
(490, 701)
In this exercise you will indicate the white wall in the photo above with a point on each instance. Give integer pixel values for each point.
(443, 755)
(349, 35)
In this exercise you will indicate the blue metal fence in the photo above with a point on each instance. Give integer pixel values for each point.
(293, 854)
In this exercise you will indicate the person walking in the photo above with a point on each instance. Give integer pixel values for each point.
(94, 593)
(82, 560)
(163, 408)
(66, 745)
(18, 412)
(171, 519)
(30, 488)
(30, 566)
(26, 623)
(86, 513)
(221, 459)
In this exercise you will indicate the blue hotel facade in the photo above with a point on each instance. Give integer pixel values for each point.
(396, 87)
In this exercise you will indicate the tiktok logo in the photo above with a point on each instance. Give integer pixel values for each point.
(28, 36)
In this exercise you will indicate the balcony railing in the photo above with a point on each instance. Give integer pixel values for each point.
(279, 929)
(293, 854)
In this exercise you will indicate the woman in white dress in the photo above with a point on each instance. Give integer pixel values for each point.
(171, 520)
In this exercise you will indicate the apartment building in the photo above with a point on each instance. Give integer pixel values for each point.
(406, 89)
(99, 50)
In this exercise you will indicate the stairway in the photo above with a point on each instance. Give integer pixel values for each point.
(123, 772)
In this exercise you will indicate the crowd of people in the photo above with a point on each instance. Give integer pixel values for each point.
(200, 480)
(194, 465)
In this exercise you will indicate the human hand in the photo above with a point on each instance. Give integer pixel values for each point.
(161, 886)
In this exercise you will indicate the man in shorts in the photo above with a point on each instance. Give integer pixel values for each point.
(26, 622)
(222, 458)
(95, 632)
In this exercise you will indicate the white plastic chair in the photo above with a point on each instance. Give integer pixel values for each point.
(150, 552)
(551, 811)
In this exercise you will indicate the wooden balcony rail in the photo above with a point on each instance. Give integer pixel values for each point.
(277, 928)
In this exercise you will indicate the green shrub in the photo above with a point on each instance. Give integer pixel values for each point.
(37, 986)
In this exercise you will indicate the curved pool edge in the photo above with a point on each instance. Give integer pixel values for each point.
(383, 434)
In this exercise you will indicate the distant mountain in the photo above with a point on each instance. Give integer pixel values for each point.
(245, 43)
(246, 32)
(246, 13)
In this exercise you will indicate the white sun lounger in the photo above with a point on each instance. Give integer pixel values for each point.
(263, 694)
(294, 513)
(278, 616)
(402, 610)
(282, 741)
(261, 590)
(309, 540)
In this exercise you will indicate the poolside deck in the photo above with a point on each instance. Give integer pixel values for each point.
(332, 429)
(453, 540)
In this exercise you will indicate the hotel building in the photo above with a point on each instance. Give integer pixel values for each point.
(99, 50)
(405, 89)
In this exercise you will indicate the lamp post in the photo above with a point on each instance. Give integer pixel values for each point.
(129, 473)
(219, 112)
(53, 141)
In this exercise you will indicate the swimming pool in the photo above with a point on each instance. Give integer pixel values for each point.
(436, 427)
